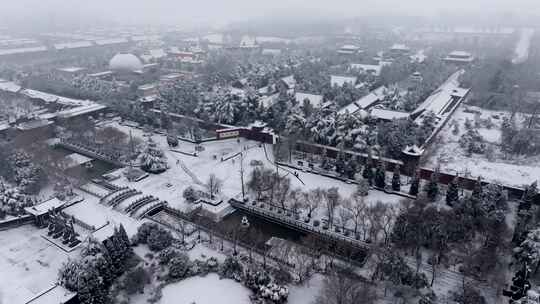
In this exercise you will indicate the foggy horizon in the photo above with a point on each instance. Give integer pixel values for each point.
(58, 13)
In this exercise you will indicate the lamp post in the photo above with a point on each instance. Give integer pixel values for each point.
(244, 226)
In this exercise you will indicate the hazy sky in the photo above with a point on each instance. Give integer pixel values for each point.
(220, 11)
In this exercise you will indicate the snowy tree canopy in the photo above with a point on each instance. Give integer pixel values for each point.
(152, 159)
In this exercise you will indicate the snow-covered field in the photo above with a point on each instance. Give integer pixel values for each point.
(203, 290)
(307, 293)
(170, 184)
(29, 264)
(453, 159)
(92, 213)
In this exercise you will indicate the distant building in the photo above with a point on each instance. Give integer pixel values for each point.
(271, 52)
(443, 99)
(366, 102)
(417, 77)
(249, 42)
(153, 54)
(147, 90)
(125, 62)
(398, 50)
(349, 49)
(105, 75)
(173, 77)
(314, 100)
(182, 55)
(71, 71)
(388, 115)
(73, 45)
(288, 83)
(340, 81)
(373, 69)
(459, 57)
(461, 34)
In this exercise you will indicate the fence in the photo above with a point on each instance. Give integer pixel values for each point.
(16, 222)
(299, 226)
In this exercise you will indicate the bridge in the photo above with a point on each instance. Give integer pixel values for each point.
(90, 152)
(300, 226)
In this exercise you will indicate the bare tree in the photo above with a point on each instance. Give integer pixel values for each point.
(303, 265)
(283, 187)
(357, 209)
(388, 217)
(332, 200)
(312, 200)
(345, 213)
(254, 239)
(296, 198)
(213, 185)
(381, 217)
(344, 287)
(314, 245)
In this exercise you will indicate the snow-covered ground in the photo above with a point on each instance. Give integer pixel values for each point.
(169, 185)
(521, 53)
(453, 159)
(92, 213)
(29, 264)
(202, 252)
(307, 293)
(202, 290)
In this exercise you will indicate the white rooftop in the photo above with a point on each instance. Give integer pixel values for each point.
(350, 47)
(111, 41)
(44, 207)
(374, 96)
(400, 47)
(373, 68)
(388, 114)
(460, 53)
(71, 69)
(81, 110)
(268, 101)
(23, 50)
(289, 81)
(76, 159)
(9, 86)
(341, 80)
(315, 100)
(441, 98)
(73, 45)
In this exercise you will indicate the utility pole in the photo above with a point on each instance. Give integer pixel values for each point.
(132, 152)
(242, 175)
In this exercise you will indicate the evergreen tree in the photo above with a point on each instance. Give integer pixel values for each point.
(91, 288)
(432, 187)
(68, 274)
(380, 177)
(530, 193)
(415, 184)
(350, 169)
(396, 179)
(452, 193)
(367, 174)
(115, 255)
(123, 236)
(363, 187)
(477, 190)
(340, 165)
(153, 160)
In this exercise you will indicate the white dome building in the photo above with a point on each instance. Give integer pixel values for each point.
(125, 62)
